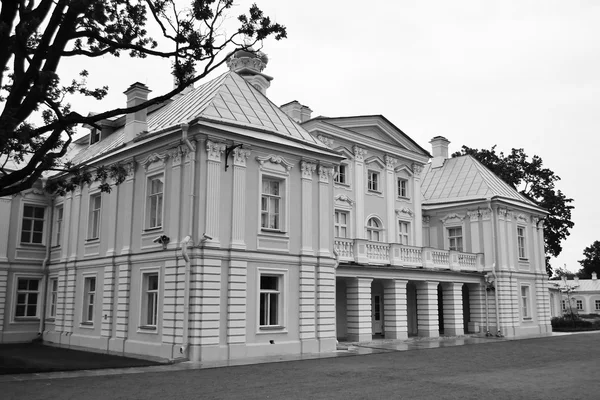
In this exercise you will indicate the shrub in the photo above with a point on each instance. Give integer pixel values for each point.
(568, 322)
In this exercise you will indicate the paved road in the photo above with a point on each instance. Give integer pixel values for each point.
(564, 367)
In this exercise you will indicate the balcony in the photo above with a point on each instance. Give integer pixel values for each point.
(361, 251)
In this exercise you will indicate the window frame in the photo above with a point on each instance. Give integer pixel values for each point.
(144, 324)
(59, 214)
(282, 291)
(345, 174)
(579, 302)
(25, 318)
(88, 308)
(52, 298)
(399, 194)
(407, 235)
(337, 226)
(450, 237)
(282, 214)
(379, 229)
(94, 217)
(374, 185)
(150, 196)
(33, 219)
(526, 301)
(596, 304)
(522, 243)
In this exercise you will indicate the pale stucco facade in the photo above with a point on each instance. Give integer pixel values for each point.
(234, 235)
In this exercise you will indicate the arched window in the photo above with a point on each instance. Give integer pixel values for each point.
(374, 230)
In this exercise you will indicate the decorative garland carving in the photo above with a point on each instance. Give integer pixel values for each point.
(272, 158)
(404, 210)
(474, 215)
(451, 216)
(523, 218)
(326, 141)
(154, 158)
(343, 197)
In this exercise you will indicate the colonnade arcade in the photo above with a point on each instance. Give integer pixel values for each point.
(396, 308)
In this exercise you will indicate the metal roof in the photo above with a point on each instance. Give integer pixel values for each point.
(463, 179)
(582, 285)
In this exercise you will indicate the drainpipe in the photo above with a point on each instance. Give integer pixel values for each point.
(46, 269)
(494, 258)
(183, 350)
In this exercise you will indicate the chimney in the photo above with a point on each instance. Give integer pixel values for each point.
(293, 109)
(439, 150)
(594, 276)
(305, 113)
(136, 123)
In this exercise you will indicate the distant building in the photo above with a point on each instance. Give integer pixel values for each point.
(245, 229)
(584, 299)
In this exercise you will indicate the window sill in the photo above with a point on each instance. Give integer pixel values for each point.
(93, 240)
(26, 320)
(271, 329)
(33, 245)
(524, 260)
(148, 329)
(275, 232)
(86, 325)
(344, 185)
(153, 230)
(403, 198)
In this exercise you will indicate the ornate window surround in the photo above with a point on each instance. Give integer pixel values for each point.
(275, 167)
(454, 220)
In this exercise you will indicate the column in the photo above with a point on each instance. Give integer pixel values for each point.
(501, 239)
(395, 309)
(175, 199)
(74, 221)
(325, 283)
(359, 192)
(172, 310)
(238, 214)
(325, 211)
(390, 199)
(237, 295)
(475, 234)
(427, 309)
(108, 301)
(308, 309)
(453, 309)
(358, 308)
(213, 192)
(111, 228)
(307, 207)
(416, 198)
(205, 310)
(125, 225)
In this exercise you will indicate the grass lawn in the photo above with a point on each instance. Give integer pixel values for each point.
(24, 358)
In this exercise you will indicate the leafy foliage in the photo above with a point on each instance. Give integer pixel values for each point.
(591, 262)
(37, 35)
(531, 179)
(560, 273)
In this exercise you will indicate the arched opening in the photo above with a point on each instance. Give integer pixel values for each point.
(374, 230)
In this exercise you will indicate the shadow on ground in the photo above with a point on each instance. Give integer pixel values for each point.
(26, 358)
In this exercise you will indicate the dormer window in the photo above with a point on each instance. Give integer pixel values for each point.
(94, 136)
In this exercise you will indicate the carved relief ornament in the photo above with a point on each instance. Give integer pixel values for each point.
(154, 158)
(240, 156)
(404, 210)
(214, 150)
(417, 169)
(474, 215)
(307, 169)
(325, 173)
(344, 198)
(523, 218)
(326, 141)
(390, 162)
(452, 217)
(359, 153)
(275, 159)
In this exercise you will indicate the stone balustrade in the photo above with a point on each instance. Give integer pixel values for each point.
(361, 251)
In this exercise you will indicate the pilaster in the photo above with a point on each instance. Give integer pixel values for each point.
(213, 193)
(453, 309)
(307, 206)
(61, 299)
(123, 287)
(395, 309)
(5, 205)
(69, 313)
(172, 309)
(108, 286)
(176, 192)
(358, 308)
(308, 308)
(238, 214)
(75, 222)
(325, 211)
(112, 207)
(3, 290)
(237, 294)
(128, 190)
(325, 286)
(416, 198)
(427, 309)
(359, 190)
(474, 217)
(390, 199)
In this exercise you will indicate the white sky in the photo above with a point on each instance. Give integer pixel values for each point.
(516, 73)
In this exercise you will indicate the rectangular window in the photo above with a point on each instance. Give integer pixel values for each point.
(270, 204)
(94, 219)
(597, 304)
(402, 188)
(340, 176)
(58, 227)
(150, 300)
(373, 181)
(579, 305)
(28, 291)
(455, 240)
(52, 297)
(564, 305)
(525, 302)
(89, 297)
(32, 228)
(403, 229)
(521, 243)
(155, 201)
(94, 135)
(341, 224)
(270, 300)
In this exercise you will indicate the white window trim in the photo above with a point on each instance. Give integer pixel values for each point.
(379, 190)
(525, 252)
(13, 312)
(596, 304)
(577, 302)
(529, 304)
(93, 195)
(454, 221)
(382, 230)
(147, 187)
(284, 208)
(348, 175)
(349, 233)
(283, 312)
(20, 227)
(408, 193)
(410, 230)
(82, 322)
(142, 327)
(49, 315)
(56, 239)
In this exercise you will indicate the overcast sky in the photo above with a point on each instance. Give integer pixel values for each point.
(523, 73)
